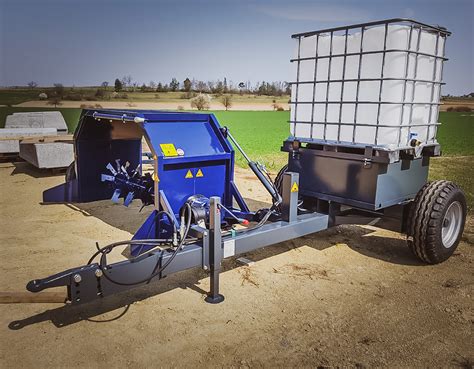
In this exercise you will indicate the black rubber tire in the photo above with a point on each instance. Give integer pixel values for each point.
(279, 179)
(426, 217)
(71, 172)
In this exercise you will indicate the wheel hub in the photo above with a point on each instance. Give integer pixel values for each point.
(452, 223)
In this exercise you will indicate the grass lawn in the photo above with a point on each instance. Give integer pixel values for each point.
(458, 169)
(456, 133)
(261, 134)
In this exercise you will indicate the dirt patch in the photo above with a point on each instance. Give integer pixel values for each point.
(454, 103)
(247, 276)
(303, 270)
(346, 297)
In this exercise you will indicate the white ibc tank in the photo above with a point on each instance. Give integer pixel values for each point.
(338, 87)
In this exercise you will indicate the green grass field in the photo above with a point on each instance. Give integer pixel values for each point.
(261, 134)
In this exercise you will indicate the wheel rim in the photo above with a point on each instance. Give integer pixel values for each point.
(451, 224)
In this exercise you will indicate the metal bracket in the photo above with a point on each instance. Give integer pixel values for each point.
(368, 153)
(289, 206)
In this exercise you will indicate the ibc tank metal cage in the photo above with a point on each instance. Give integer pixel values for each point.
(373, 84)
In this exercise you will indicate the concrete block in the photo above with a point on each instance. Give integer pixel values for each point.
(13, 146)
(43, 119)
(48, 154)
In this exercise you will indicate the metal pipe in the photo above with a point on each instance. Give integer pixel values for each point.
(238, 146)
(376, 23)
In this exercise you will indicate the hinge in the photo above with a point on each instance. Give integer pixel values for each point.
(367, 163)
(368, 152)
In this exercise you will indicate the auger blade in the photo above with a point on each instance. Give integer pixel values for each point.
(107, 178)
(128, 199)
(136, 171)
(116, 196)
(124, 171)
(111, 169)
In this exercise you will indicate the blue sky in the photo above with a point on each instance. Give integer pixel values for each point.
(82, 42)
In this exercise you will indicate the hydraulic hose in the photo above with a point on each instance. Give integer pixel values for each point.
(157, 270)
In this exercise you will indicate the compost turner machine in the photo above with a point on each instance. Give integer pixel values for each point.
(363, 129)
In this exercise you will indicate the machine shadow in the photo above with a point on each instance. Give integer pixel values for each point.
(70, 314)
(23, 167)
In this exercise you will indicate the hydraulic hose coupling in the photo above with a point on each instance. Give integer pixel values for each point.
(244, 222)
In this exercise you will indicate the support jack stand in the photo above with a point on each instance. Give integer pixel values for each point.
(211, 299)
(215, 252)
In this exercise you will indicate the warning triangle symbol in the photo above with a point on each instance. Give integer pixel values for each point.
(199, 173)
(189, 174)
(294, 188)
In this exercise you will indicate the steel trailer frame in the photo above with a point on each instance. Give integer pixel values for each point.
(87, 283)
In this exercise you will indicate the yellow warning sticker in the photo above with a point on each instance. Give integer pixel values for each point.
(199, 173)
(168, 149)
(294, 188)
(189, 174)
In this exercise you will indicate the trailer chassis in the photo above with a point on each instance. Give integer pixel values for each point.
(88, 283)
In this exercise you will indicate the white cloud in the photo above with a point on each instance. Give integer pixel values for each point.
(315, 12)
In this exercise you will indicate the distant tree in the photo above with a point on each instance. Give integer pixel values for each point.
(210, 86)
(152, 85)
(241, 87)
(118, 85)
(226, 101)
(225, 87)
(143, 88)
(104, 85)
(126, 81)
(201, 102)
(201, 86)
(159, 87)
(58, 90)
(187, 85)
(219, 88)
(174, 84)
(32, 84)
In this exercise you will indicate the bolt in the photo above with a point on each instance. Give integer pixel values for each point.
(98, 273)
(77, 278)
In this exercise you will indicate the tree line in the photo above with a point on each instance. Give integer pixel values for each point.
(218, 87)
